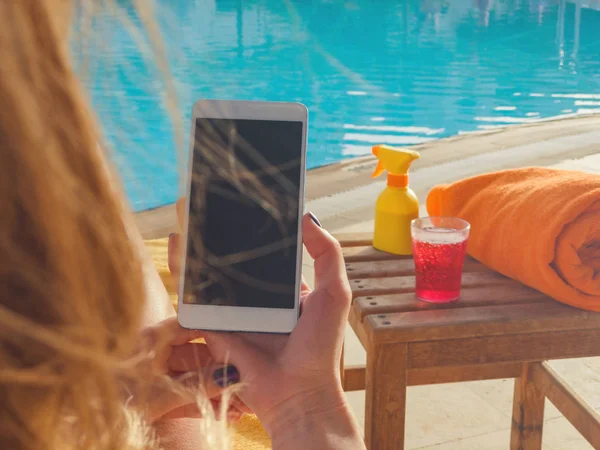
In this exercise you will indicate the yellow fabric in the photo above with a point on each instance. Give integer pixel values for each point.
(248, 432)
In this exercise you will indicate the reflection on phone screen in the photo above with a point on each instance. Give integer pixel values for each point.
(244, 213)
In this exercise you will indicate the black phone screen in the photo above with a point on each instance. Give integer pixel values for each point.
(242, 242)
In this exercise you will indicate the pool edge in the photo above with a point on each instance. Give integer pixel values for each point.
(354, 173)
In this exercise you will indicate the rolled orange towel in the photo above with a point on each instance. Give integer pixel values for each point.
(536, 225)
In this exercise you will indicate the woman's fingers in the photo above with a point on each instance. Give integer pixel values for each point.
(169, 332)
(189, 357)
(182, 392)
(249, 354)
(232, 413)
(178, 407)
(167, 396)
(194, 410)
(189, 411)
(192, 369)
(228, 347)
(239, 405)
(331, 295)
(201, 381)
(325, 310)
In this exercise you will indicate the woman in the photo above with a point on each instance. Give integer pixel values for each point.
(78, 370)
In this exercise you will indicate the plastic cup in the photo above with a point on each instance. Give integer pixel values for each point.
(439, 249)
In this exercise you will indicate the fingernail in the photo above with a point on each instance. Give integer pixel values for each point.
(315, 220)
(172, 234)
(226, 376)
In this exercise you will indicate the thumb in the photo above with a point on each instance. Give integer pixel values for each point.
(330, 270)
(183, 395)
(167, 395)
(325, 310)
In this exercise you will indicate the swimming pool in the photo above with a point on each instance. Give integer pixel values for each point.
(395, 72)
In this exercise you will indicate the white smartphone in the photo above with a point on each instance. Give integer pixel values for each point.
(241, 268)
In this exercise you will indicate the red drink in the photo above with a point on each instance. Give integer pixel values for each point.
(439, 249)
(438, 269)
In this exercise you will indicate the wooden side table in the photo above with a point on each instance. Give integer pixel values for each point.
(498, 329)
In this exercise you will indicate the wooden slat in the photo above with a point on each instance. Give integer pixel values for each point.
(508, 348)
(398, 285)
(528, 412)
(482, 321)
(512, 293)
(356, 254)
(354, 376)
(398, 267)
(380, 269)
(355, 322)
(575, 409)
(438, 375)
(355, 239)
(385, 411)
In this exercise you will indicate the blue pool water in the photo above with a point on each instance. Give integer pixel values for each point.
(370, 71)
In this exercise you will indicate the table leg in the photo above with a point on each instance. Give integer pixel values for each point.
(386, 396)
(528, 412)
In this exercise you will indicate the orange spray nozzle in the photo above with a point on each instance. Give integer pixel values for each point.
(378, 170)
(396, 161)
(380, 167)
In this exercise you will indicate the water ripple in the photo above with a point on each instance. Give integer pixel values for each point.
(399, 73)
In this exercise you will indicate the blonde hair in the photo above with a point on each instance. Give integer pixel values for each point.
(71, 288)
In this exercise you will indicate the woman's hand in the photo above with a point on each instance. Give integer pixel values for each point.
(276, 369)
(175, 373)
(292, 381)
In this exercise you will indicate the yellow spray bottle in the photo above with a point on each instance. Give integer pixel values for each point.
(397, 205)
